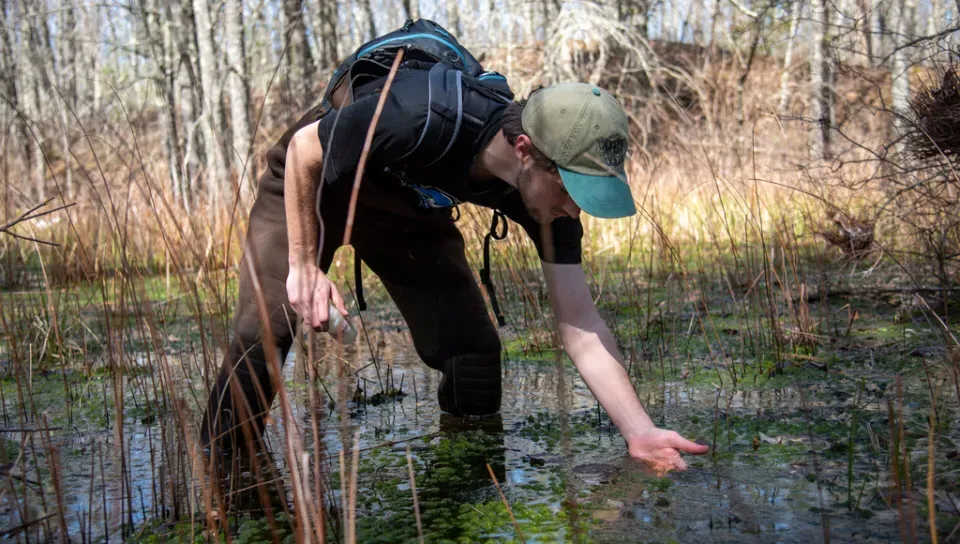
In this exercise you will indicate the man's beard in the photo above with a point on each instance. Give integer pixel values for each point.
(523, 182)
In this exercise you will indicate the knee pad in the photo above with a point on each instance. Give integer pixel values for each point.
(471, 385)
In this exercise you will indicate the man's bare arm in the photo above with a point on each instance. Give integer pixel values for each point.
(303, 164)
(308, 288)
(591, 346)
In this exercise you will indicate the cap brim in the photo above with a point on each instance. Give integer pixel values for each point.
(600, 196)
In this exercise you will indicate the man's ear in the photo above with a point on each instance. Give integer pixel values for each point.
(523, 146)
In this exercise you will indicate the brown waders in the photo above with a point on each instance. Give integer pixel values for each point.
(418, 256)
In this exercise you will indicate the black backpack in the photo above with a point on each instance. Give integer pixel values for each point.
(451, 67)
(426, 44)
(429, 46)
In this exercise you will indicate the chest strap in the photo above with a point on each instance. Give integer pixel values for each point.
(485, 278)
(358, 281)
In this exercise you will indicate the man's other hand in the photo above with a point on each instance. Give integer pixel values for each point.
(310, 292)
(660, 450)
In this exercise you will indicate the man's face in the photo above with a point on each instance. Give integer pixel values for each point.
(542, 190)
(543, 194)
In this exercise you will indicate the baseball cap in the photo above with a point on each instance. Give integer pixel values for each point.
(583, 129)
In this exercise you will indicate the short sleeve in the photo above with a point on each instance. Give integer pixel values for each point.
(558, 243)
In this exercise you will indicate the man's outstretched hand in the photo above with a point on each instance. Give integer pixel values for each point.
(660, 450)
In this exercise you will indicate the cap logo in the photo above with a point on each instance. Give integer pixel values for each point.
(614, 151)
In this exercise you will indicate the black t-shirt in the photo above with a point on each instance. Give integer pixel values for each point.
(445, 183)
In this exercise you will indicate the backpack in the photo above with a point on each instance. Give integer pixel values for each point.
(427, 46)
(451, 67)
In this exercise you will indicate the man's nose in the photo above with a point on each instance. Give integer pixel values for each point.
(571, 208)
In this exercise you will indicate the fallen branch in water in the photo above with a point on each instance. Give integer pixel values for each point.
(814, 294)
(25, 526)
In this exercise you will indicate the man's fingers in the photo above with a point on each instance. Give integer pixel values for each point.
(321, 314)
(687, 446)
(679, 464)
(338, 300)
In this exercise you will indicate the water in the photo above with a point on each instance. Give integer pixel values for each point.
(561, 464)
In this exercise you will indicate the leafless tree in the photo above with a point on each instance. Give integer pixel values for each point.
(819, 82)
(211, 125)
(238, 88)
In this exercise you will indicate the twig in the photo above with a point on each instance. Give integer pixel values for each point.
(29, 215)
(26, 430)
(506, 504)
(413, 489)
(352, 528)
(814, 294)
(25, 526)
(393, 442)
(931, 451)
(366, 146)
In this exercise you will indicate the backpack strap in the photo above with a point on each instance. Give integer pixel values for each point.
(358, 280)
(445, 102)
(485, 278)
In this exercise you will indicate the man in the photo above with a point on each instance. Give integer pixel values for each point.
(539, 162)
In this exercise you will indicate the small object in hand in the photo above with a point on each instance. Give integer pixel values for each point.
(340, 327)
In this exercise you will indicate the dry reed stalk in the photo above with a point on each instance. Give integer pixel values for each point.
(315, 408)
(354, 469)
(351, 211)
(343, 497)
(293, 445)
(895, 469)
(931, 451)
(200, 474)
(908, 490)
(55, 478)
(505, 503)
(88, 536)
(413, 491)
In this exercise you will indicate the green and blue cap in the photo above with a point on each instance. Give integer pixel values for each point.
(583, 129)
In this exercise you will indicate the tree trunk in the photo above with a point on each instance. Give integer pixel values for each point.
(91, 52)
(238, 88)
(171, 54)
(329, 37)
(15, 84)
(156, 35)
(713, 25)
(68, 54)
(35, 136)
(187, 87)
(453, 17)
(820, 135)
(886, 26)
(211, 128)
(788, 57)
(299, 58)
(867, 16)
(66, 81)
(8, 62)
(899, 71)
(757, 26)
(409, 9)
(364, 27)
(936, 17)
(37, 43)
